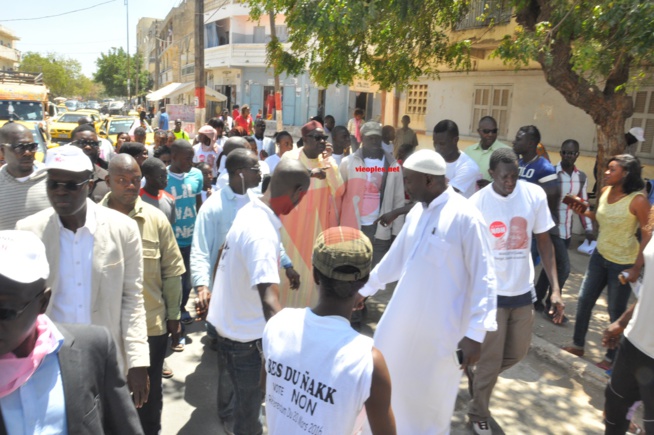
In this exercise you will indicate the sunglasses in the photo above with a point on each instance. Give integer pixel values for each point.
(22, 148)
(71, 186)
(318, 137)
(488, 130)
(254, 169)
(84, 143)
(7, 314)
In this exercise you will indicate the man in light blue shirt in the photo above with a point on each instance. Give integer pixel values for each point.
(53, 379)
(163, 120)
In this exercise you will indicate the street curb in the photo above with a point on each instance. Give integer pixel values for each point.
(573, 365)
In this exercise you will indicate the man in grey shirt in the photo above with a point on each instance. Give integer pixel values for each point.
(22, 183)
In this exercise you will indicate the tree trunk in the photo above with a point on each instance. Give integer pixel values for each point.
(610, 142)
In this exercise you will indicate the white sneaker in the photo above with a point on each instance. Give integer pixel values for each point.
(481, 427)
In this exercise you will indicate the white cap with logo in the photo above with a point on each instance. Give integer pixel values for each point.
(22, 257)
(68, 158)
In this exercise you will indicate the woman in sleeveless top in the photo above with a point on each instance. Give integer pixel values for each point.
(622, 209)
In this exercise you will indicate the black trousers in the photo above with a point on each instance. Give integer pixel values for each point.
(632, 379)
(150, 413)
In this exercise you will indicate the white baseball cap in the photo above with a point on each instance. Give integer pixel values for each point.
(427, 162)
(68, 158)
(638, 133)
(22, 257)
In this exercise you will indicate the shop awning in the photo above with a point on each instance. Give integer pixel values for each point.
(162, 93)
(175, 89)
(190, 87)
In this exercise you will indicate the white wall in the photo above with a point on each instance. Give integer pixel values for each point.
(533, 101)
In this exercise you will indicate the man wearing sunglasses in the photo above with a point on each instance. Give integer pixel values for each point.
(482, 150)
(68, 374)
(97, 260)
(85, 138)
(319, 211)
(22, 184)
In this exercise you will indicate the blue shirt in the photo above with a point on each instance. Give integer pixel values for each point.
(540, 171)
(163, 121)
(184, 188)
(38, 406)
(214, 221)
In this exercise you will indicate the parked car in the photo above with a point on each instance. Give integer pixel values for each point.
(116, 107)
(62, 128)
(71, 105)
(110, 128)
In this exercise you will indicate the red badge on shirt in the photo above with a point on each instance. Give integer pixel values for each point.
(497, 229)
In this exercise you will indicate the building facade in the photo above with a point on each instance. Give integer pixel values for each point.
(9, 55)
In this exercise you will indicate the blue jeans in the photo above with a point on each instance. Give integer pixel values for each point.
(225, 388)
(543, 288)
(242, 361)
(600, 273)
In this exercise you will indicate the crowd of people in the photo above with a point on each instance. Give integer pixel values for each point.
(282, 242)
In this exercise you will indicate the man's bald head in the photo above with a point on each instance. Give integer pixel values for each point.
(233, 143)
(289, 183)
(19, 160)
(11, 130)
(124, 180)
(121, 163)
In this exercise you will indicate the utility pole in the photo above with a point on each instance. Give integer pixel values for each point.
(129, 94)
(278, 93)
(199, 65)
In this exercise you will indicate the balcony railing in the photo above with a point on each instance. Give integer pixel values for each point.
(9, 53)
(483, 12)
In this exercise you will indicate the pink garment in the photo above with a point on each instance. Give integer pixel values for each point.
(14, 372)
(357, 129)
(211, 133)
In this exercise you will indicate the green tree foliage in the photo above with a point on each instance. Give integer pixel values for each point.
(391, 42)
(62, 75)
(112, 72)
(591, 51)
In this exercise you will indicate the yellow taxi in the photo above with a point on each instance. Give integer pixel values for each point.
(62, 128)
(91, 112)
(110, 127)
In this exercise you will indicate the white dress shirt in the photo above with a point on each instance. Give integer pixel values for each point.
(73, 303)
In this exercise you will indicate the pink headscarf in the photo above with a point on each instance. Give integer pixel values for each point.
(14, 371)
(212, 134)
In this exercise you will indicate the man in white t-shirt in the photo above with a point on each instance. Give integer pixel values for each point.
(631, 378)
(462, 172)
(265, 145)
(512, 210)
(304, 346)
(373, 186)
(246, 289)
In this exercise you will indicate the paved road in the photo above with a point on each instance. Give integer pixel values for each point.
(534, 397)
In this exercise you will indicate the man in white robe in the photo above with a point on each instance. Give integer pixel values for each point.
(444, 301)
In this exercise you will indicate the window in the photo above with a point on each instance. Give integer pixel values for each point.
(416, 100)
(481, 13)
(644, 117)
(259, 35)
(281, 32)
(494, 101)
